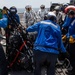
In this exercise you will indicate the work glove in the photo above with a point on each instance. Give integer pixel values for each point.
(71, 40)
(64, 38)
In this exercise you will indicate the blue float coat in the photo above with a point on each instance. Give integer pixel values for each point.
(4, 21)
(49, 35)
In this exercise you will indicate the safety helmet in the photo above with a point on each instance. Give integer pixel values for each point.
(42, 6)
(51, 15)
(65, 5)
(28, 7)
(13, 10)
(57, 8)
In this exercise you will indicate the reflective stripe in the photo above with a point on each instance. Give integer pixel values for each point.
(49, 23)
(73, 22)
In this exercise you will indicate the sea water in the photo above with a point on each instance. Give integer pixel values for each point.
(21, 10)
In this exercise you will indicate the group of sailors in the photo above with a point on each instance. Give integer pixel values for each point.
(30, 16)
(65, 21)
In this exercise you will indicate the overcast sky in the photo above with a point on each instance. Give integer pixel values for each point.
(33, 3)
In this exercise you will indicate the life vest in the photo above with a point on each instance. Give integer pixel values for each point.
(70, 7)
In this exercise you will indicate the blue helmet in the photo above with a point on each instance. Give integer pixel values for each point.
(13, 10)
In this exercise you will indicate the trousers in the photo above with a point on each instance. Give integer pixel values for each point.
(44, 59)
(3, 62)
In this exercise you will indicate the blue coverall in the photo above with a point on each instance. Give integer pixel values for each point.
(46, 46)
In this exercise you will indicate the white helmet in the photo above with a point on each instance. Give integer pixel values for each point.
(28, 6)
(51, 14)
(57, 8)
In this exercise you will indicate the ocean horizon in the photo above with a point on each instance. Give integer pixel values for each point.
(21, 10)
